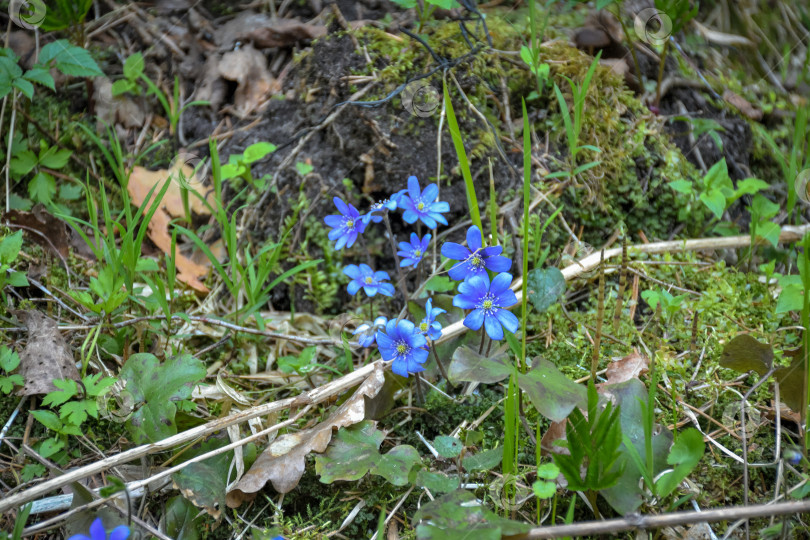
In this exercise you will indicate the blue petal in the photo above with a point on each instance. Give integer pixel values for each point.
(353, 271)
(440, 206)
(500, 283)
(380, 321)
(365, 269)
(370, 290)
(499, 264)
(391, 329)
(454, 251)
(438, 217)
(430, 193)
(386, 289)
(428, 221)
(120, 533)
(341, 206)
(407, 261)
(474, 239)
(409, 217)
(353, 287)
(381, 275)
(351, 236)
(506, 299)
(341, 241)
(493, 328)
(413, 367)
(474, 320)
(479, 283)
(400, 367)
(420, 355)
(459, 271)
(508, 320)
(383, 340)
(413, 188)
(333, 221)
(490, 251)
(336, 233)
(423, 244)
(404, 246)
(97, 531)
(80, 537)
(464, 302)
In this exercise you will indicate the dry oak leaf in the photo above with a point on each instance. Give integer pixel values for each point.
(631, 366)
(255, 84)
(282, 463)
(140, 182)
(52, 230)
(47, 355)
(265, 31)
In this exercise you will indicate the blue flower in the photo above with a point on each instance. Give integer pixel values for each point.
(489, 303)
(346, 226)
(429, 324)
(404, 344)
(97, 532)
(474, 259)
(413, 252)
(422, 205)
(367, 279)
(367, 331)
(373, 214)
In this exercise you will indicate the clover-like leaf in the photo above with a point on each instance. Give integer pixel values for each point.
(544, 287)
(483, 461)
(158, 387)
(460, 514)
(469, 366)
(354, 452)
(684, 455)
(552, 393)
(447, 447)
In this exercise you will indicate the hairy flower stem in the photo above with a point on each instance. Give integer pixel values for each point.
(483, 337)
(439, 363)
(420, 399)
(401, 282)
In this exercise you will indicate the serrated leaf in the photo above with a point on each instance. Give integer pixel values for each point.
(354, 452)
(544, 287)
(47, 419)
(55, 158)
(7, 384)
(42, 188)
(23, 162)
(9, 359)
(460, 514)
(25, 87)
(40, 76)
(744, 353)
(158, 387)
(67, 388)
(10, 247)
(469, 366)
(76, 412)
(483, 461)
(69, 59)
(552, 393)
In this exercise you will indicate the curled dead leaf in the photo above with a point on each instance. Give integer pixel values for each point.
(255, 84)
(282, 463)
(632, 366)
(52, 230)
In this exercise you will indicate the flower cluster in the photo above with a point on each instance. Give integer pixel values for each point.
(489, 301)
(97, 532)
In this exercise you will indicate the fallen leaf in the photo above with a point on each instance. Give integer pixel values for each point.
(52, 232)
(742, 105)
(791, 382)
(265, 31)
(554, 433)
(744, 353)
(255, 84)
(111, 109)
(631, 366)
(47, 355)
(282, 463)
(141, 181)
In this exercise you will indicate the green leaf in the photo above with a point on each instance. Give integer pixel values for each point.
(70, 192)
(483, 461)
(548, 471)
(180, 516)
(133, 66)
(76, 412)
(158, 387)
(544, 490)
(48, 419)
(552, 393)
(448, 447)
(750, 186)
(770, 231)
(50, 446)
(714, 201)
(469, 366)
(32, 470)
(10, 247)
(791, 381)
(436, 482)
(681, 186)
(790, 298)
(460, 514)
(440, 284)
(67, 389)
(7, 384)
(204, 483)
(42, 188)
(17, 279)
(744, 353)
(25, 87)
(95, 387)
(54, 158)
(684, 455)
(545, 286)
(41, 76)
(257, 151)
(69, 59)
(9, 359)
(122, 86)
(354, 452)
(23, 162)
(405, 4)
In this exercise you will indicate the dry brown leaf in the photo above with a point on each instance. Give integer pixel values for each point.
(742, 105)
(255, 85)
(141, 181)
(631, 366)
(555, 432)
(53, 233)
(265, 31)
(282, 463)
(46, 356)
(115, 109)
